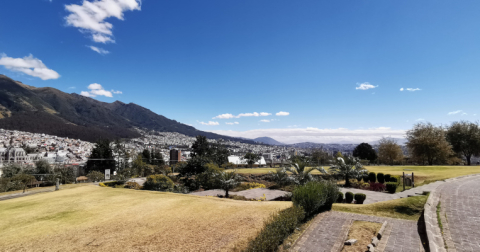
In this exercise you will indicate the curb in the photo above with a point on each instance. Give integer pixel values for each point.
(434, 234)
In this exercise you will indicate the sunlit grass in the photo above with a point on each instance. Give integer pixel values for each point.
(92, 218)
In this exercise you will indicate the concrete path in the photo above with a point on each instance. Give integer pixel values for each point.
(27, 193)
(249, 194)
(328, 232)
(373, 197)
(460, 204)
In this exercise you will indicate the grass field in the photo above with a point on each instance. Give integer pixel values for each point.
(406, 208)
(51, 188)
(423, 174)
(92, 218)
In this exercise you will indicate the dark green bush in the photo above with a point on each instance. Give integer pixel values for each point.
(315, 196)
(158, 182)
(387, 177)
(133, 185)
(113, 183)
(276, 229)
(360, 198)
(372, 177)
(391, 187)
(209, 178)
(381, 178)
(395, 179)
(365, 177)
(349, 197)
(340, 197)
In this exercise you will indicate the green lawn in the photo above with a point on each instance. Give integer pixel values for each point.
(93, 218)
(423, 174)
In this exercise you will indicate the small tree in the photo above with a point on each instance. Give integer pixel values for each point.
(347, 168)
(96, 176)
(24, 180)
(251, 158)
(389, 151)
(365, 151)
(428, 143)
(465, 139)
(228, 180)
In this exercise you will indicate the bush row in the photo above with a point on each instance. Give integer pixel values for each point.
(349, 196)
(381, 178)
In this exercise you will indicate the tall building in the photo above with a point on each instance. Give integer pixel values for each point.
(175, 156)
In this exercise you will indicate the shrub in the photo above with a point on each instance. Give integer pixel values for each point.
(158, 182)
(340, 197)
(391, 187)
(102, 184)
(208, 179)
(314, 197)
(378, 187)
(133, 185)
(365, 178)
(250, 185)
(112, 183)
(381, 178)
(349, 197)
(360, 198)
(96, 176)
(359, 184)
(395, 179)
(387, 177)
(276, 229)
(372, 177)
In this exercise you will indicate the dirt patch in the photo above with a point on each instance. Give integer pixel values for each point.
(363, 232)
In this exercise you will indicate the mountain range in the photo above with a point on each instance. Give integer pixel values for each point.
(267, 140)
(51, 111)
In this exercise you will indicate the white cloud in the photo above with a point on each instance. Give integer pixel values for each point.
(91, 15)
(455, 112)
(99, 50)
(229, 116)
(210, 123)
(365, 86)
(265, 120)
(232, 123)
(71, 88)
(28, 65)
(410, 89)
(97, 89)
(420, 119)
(296, 135)
(281, 113)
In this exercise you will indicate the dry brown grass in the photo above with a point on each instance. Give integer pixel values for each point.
(363, 232)
(92, 218)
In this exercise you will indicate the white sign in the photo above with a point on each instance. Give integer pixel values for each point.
(115, 173)
(107, 174)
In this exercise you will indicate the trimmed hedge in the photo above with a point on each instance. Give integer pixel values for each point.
(372, 177)
(396, 179)
(360, 198)
(276, 229)
(349, 197)
(365, 178)
(158, 182)
(391, 187)
(387, 177)
(315, 196)
(340, 197)
(381, 178)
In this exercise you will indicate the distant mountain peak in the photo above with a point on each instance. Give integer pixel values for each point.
(267, 140)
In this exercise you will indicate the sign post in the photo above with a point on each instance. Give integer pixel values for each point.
(107, 174)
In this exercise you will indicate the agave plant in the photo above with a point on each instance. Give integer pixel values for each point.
(347, 168)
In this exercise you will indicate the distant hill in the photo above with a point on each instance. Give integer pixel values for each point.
(267, 140)
(51, 111)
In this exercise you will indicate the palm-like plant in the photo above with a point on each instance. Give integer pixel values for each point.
(300, 172)
(228, 180)
(347, 168)
(281, 177)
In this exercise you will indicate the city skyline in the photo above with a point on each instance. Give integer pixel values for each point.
(319, 72)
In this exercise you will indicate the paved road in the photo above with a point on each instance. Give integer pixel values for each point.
(373, 197)
(460, 202)
(329, 230)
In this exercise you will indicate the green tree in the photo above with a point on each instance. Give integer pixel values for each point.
(146, 156)
(139, 166)
(465, 139)
(428, 143)
(320, 157)
(228, 180)
(251, 158)
(389, 151)
(346, 168)
(301, 172)
(96, 176)
(365, 151)
(24, 179)
(10, 170)
(201, 147)
(216, 153)
(157, 158)
(101, 157)
(43, 167)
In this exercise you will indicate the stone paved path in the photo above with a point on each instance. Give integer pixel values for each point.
(329, 229)
(460, 202)
(249, 194)
(373, 197)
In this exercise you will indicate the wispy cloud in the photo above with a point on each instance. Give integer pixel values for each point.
(296, 135)
(91, 15)
(210, 123)
(455, 112)
(99, 50)
(365, 86)
(229, 116)
(28, 65)
(420, 119)
(410, 89)
(265, 120)
(232, 123)
(97, 90)
(282, 113)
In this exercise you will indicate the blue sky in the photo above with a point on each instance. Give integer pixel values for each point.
(195, 60)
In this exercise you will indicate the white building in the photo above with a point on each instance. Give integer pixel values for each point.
(241, 161)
